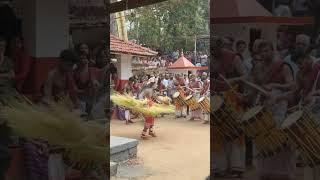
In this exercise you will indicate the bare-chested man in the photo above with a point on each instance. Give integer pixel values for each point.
(278, 79)
(227, 65)
(60, 82)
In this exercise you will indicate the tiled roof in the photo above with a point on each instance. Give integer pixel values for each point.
(184, 63)
(120, 46)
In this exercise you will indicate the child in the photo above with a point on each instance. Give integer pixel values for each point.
(149, 120)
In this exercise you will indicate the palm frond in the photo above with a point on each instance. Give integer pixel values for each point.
(82, 140)
(140, 106)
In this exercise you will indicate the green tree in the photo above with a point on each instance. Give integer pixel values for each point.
(169, 25)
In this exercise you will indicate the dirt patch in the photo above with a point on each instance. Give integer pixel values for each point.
(181, 150)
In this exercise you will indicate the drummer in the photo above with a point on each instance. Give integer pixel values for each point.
(179, 84)
(206, 84)
(194, 89)
(205, 92)
(279, 77)
(229, 65)
(306, 88)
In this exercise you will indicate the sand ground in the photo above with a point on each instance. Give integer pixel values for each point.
(180, 152)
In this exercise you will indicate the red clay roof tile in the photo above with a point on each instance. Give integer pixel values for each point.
(120, 46)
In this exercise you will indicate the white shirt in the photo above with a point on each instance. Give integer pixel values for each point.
(247, 64)
(165, 82)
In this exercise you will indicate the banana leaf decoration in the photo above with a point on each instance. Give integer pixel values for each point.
(135, 105)
(83, 141)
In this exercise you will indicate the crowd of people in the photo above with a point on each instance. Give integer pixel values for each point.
(200, 59)
(166, 85)
(77, 76)
(158, 61)
(278, 81)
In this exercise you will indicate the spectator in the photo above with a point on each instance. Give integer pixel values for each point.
(83, 49)
(241, 47)
(22, 62)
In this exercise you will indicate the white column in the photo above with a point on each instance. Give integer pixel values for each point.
(45, 27)
(125, 67)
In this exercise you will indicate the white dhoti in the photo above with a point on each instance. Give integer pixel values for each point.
(56, 167)
(206, 116)
(196, 114)
(230, 158)
(181, 111)
(281, 165)
(127, 115)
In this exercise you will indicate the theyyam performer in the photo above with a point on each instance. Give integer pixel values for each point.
(148, 108)
(148, 119)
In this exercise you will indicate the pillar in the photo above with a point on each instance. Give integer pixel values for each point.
(45, 30)
(124, 70)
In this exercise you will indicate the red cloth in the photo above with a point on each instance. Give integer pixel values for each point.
(84, 82)
(206, 86)
(309, 81)
(22, 67)
(69, 89)
(226, 69)
(276, 73)
(149, 120)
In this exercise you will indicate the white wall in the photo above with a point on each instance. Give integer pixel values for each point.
(46, 27)
(124, 67)
(91, 36)
(242, 31)
(29, 26)
(237, 31)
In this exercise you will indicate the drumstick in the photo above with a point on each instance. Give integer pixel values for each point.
(190, 89)
(228, 83)
(255, 86)
(295, 138)
(306, 138)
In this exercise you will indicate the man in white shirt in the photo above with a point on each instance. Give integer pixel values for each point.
(165, 81)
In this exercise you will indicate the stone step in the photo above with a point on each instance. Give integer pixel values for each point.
(113, 168)
(122, 149)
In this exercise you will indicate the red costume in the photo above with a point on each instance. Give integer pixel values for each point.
(149, 120)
